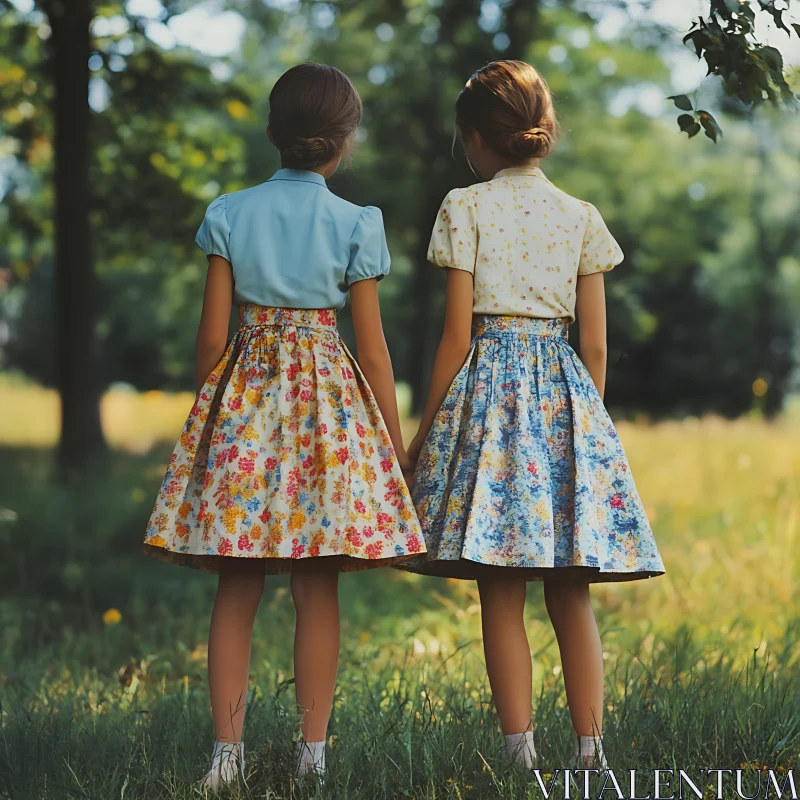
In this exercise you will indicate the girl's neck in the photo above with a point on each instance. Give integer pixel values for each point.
(326, 170)
(531, 163)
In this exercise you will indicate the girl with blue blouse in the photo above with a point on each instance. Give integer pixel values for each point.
(519, 473)
(291, 459)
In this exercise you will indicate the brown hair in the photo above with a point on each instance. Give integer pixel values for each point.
(509, 104)
(314, 111)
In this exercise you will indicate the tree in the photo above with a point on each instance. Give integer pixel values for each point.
(81, 431)
(151, 178)
(171, 136)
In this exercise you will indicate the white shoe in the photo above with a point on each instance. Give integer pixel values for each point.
(309, 758)
(520, 749)
(227, 761)
(588, 753)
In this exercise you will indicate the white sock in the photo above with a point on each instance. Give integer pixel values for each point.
(228, 759)
(520, 749)
(310, 756)
(589, 752)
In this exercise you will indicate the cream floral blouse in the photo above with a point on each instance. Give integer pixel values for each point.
(525, 241)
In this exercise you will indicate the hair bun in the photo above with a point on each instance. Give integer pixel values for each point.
(311, 152)
(533, 143)
(509, 104)
(314, 111)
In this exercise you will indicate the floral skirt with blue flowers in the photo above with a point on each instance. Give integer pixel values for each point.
(523, 469)
(284, 457)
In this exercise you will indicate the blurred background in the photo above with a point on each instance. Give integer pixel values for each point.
(97, 328)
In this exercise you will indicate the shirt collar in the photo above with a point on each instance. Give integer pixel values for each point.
(513, 172)
(298, 175)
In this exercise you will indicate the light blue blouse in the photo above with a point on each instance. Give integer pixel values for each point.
(292, 243)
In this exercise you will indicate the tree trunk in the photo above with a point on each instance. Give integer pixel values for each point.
(773, 326)
(81, 431)
(522, 18)
(442, 174)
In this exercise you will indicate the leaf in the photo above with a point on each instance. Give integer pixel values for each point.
(775, 13)
(681, 101)
(710, 125)
(796, 27)
(773, 58)
(688, 124)
(697, 38)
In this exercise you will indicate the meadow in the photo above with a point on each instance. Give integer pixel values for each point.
(103, 656)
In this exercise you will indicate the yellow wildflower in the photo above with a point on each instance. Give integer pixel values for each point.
(112, 616)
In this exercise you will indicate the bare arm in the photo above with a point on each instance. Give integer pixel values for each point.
(212, 336)
(374, 359)
(590, 307)
(452, 351)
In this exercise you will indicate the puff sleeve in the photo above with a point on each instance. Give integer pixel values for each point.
(214, 234)
(369, 255)
(600, 251)
(454, 241)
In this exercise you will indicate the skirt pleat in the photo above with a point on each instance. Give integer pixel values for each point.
(284, 456)
(523, 469)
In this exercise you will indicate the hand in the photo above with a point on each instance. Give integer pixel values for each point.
(414, 450)
(406, 466)
(405, 463)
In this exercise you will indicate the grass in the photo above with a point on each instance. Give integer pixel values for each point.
(702, 664)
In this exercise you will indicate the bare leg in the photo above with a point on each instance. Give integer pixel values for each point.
(315, 591)
(238, 595)
(570, 608)
(508, 655)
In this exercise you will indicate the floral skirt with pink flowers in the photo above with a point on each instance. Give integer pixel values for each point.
(284, 456)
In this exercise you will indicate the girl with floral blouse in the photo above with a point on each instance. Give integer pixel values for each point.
(520, 474)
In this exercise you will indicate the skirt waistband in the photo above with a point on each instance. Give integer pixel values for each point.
(533, 326)
(251, 315)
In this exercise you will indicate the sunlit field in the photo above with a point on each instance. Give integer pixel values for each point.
(132, 422)
(102, 655)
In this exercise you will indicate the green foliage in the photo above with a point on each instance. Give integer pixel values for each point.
(710, 125)
(172, 136)
(693, 123)
(681, 101)
(687, 124)
(164, 146)
(751, 72)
